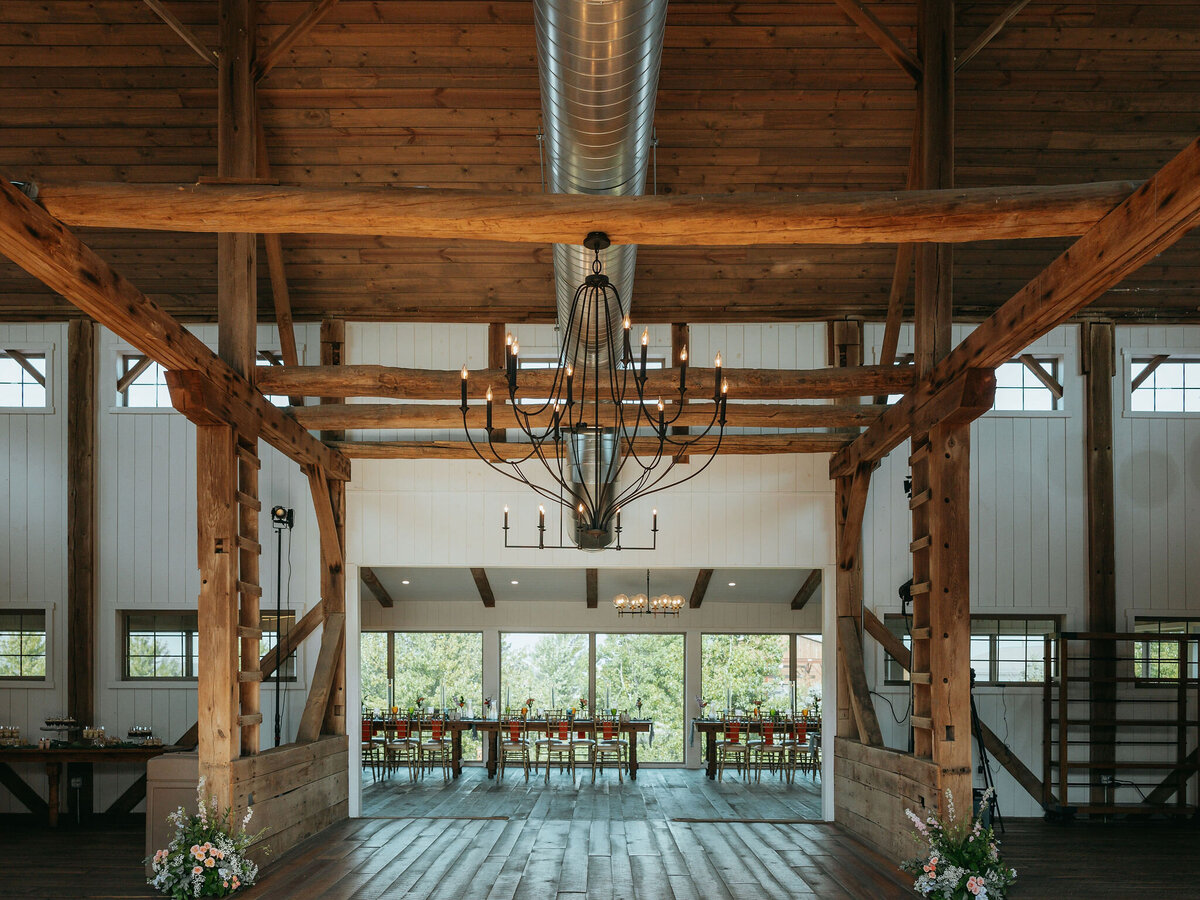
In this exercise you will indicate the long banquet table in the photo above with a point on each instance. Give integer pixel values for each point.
(711, 728)
(491, 728)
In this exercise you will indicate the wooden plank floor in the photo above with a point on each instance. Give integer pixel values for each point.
(672, 833)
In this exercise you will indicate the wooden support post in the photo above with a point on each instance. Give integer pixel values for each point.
(217, 683)
(949, 521)
(81, 536)
(856, 711)
(237, 283)
(1099, 368)
(333, 347)
(333, 587)
(497, 360)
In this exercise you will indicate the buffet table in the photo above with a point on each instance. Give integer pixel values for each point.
(55, 757)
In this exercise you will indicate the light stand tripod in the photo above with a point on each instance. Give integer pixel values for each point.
(281, 518)
(985, 762)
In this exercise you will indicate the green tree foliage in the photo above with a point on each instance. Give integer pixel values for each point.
(649, 667)
(551, 668)
(744, 668)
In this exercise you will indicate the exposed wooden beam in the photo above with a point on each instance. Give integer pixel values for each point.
(444, 415)
(850, 655)
(700, 588)
(808, 590)
(1040, 373)
(46, 249)
(332, 639)
(1170, 784)
(882, 36)
(1148, 222)
(375, 586)
(28, 797)
(592, 582)
(974, 214)
(82, 535)
(852, 511)
(731, 445)
(905, 253)
(132, 375)
(427, 384)
(484, 587)
(333, 345)
(1141, 376)
(295, 636)
(136, 792)
(298, 29)
(23, 361)
(188, 36)
(212, 401)
(990, 32)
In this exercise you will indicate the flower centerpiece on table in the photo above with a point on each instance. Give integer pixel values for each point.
(703, 705)
(583, 704)
(961, 860)
(207, 856)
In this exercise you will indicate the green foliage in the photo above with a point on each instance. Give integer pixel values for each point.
(648, 667)
(744, 668)
(961, 859)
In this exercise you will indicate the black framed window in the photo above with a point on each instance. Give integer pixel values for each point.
(160, 645)
(1004, 649)
(1158, 660)
(23, 644)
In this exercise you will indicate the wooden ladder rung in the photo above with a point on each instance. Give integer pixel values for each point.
(920, 677)
(249, 633)
(249, 502)
(921, 587)
(248, 456)
(254, 675)
(919, 454)
(919, 544)
(249, 544)
(251, 590)
(920, 499)
(924, 722)
(921, 634)
(251, 719)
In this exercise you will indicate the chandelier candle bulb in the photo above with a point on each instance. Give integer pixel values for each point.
(645, 344)
(489, 410)
(724, 399)
(626, 325)
(662, 426)
(506, 517)
(570, 386)
(683, 371)
(717, 377)
(464, 388)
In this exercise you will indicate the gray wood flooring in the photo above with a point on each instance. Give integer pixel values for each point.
(671, 834)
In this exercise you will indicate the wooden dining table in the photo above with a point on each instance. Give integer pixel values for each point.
(55, 758)
(711, 728)
(491, 730)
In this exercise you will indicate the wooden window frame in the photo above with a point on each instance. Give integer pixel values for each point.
(23, 354)
(22, 612)
(190, 636)
(1156, 358)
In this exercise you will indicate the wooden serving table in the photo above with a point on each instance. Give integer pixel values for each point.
(491, 730)
(710, 728)
(56, 757)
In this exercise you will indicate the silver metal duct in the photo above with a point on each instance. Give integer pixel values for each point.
(598, 64)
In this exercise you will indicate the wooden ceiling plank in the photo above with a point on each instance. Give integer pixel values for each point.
(592, 580)
(431, 384)
(1040, 373)
(484, 587)
(808, 590)
(49, 251)
(882, 36)
(375, 586)
(733, 445)
(298, 29)
(188, 36)
(735, 219)
(1153, 218)
(902, 273)
(990, 32)
(700, 588)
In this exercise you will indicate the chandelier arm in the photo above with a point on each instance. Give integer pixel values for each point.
(708, 462)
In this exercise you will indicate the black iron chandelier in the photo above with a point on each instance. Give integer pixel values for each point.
(602, 438)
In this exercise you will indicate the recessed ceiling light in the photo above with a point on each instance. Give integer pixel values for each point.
(733, 584)
(514, 581)
(405, 581)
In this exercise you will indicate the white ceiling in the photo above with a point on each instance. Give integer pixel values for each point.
(445, 584)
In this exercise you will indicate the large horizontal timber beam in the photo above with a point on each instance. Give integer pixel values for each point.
(1153, 218)
(432, 384)
(887, 217)
(48, 250)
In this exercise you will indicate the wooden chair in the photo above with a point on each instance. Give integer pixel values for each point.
(371, 750)
(437, 749)
(769, 749)
(544, 743)
(399, 746)
(513, 743)
(583, 738)
(560, 745)
(609, 745)
(732, 745)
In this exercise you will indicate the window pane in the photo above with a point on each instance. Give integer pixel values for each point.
(437, 664)
(372, 656)
(648, 667)
(981, 661)
(550, 668)
(739, 669)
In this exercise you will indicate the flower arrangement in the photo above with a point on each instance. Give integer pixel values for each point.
(962, 859)
(529, 701)
(487, 704)
(206, 858)
(460, 701)
(583, 704)
(702, 704)
(420, 703)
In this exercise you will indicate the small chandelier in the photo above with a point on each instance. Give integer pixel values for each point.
(600, 436)
(644, 604)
